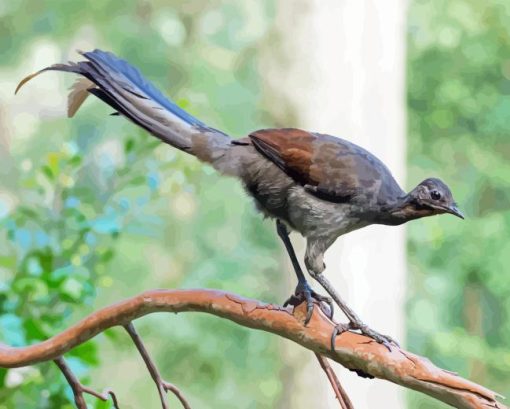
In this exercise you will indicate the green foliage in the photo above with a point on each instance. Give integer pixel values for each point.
(92, 212)
(459, 86)
(56, 247)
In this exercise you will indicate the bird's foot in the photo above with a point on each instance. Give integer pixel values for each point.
(304, 293)
(385, 340)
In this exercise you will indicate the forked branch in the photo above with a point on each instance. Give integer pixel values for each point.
(162, 385)
(353, 351)
(80, 390)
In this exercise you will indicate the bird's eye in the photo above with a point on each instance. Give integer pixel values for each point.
(435, 195)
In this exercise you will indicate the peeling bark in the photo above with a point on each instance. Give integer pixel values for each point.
(353, 351)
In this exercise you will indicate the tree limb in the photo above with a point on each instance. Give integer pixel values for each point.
(79, 390)
(354, 351)
(162, 385)
(341, 395)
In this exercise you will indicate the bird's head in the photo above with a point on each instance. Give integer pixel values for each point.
(430, 197)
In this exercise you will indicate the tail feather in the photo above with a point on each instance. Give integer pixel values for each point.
(123, 87)
(134, 76)
(78, 95)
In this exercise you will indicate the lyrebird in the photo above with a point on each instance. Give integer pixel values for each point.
(319, 185)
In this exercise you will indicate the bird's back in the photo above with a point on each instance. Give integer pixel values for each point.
(328, 167)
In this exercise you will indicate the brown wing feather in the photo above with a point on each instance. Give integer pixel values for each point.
(330, 168)
(290, 149)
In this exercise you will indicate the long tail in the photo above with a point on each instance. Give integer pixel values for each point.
(123, 87)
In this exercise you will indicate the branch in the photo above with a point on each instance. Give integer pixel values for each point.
(341, 395)
(163, 386)
(79, 390)
(354, 351)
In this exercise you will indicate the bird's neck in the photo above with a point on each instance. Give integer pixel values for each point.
(402, 210)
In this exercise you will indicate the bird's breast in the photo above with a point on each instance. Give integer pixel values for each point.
(314, 217)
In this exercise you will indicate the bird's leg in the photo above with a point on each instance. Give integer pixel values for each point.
(303, 290)
(355, 322)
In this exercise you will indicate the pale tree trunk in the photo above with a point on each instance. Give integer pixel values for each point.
(338, 67)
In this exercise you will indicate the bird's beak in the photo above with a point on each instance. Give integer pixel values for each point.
(453, 209)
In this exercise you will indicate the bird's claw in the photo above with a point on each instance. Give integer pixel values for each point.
(385, 340)
(339, 329)
(304, 293)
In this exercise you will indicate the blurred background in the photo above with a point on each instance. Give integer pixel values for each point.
(92, 210)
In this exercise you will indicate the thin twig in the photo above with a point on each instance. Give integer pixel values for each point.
(341, 394)
(162, 385)
(79, 390)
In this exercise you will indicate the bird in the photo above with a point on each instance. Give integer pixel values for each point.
(318, 185)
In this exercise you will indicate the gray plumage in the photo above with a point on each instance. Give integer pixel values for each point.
(319, 185)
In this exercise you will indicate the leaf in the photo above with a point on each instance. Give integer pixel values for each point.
(112, 334)
(129, 145)
(48, 172)
(34, 287)
(3, 375)
(86, 352)
(72, 288)
(34, 330)
(54, 162)
(11, 330)
(9, 262)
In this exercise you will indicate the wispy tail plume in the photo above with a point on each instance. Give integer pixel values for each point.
(123, 87)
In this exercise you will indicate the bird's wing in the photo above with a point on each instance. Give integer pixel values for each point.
(330, 168)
